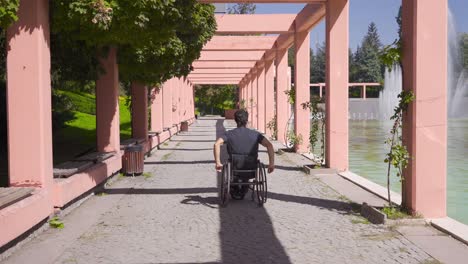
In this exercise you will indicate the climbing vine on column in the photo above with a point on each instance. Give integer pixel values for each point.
(398, 156)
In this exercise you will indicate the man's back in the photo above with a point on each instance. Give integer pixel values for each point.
(243, 141)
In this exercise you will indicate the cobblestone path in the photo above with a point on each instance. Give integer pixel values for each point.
(171, 216)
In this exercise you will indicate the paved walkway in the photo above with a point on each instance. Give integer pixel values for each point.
(172, 216)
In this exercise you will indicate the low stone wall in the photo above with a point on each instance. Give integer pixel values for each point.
(363, 109)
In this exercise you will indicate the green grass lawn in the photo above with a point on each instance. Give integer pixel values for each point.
(79, 135)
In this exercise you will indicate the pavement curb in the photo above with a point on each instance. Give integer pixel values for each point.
(373, 215)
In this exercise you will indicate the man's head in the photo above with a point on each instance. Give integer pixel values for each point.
(241, 117)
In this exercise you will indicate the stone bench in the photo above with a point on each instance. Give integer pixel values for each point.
(11, 195)
(79, 164)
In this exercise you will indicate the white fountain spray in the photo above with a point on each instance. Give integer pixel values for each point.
(388, 98)
(457, 76)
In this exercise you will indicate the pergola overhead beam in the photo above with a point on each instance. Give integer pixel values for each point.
(220, 71)
(215, 82)
(310, 16)
(263, 1)
(240, 43)
(231, 55)
(223, 65)
(216, 75)
(255, 24)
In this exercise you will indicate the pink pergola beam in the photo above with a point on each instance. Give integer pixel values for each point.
(262, 1)
(255, 24)
(223, 65)
(219, 71)
(231, 55)
(309, 17)
(224, 75)
(215, 82)
(246, 43)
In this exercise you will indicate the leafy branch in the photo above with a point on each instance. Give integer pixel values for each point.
(398, 156)
(273, 127)
(291, 93)
(318, 124)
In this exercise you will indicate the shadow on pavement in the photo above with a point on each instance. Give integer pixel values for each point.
(246, 231)
(180, 162)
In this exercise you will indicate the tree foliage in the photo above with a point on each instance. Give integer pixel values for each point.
(366, 58)
(242, 8)
(464, 45)
(8, 12)
(318, 67)
(214, 99)
(156, 39)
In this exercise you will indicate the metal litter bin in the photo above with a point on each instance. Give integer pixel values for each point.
(133, 160)
(184, 126)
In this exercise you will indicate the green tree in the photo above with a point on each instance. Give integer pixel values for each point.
(242, 8)
(352, 66)
(318, 67)
(366, 58)
(464, 45)
(214, 99)
(156, 40)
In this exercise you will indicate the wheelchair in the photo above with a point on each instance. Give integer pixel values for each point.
(239, 171)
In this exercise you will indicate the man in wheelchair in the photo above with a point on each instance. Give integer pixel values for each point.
(242, 147)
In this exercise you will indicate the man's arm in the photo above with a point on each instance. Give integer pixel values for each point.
(271, 154)
(217, 153)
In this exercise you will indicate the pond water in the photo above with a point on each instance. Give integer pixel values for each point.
(367, 152)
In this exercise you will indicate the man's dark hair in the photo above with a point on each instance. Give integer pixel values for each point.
(241, 117)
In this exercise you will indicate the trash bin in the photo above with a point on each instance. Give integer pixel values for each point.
(133, 160)
(184, 126)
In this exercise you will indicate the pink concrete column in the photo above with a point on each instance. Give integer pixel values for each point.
(192, 101)
(139, 110)
(281, 98)
(321, 90)
(364, 96)
(187, 92)
(425, 125)
(167, 104)
(184, 101)
(254, 91)
(289, 83)
(156, 110)
(107, 105)
(247, 97)
(302, 81)
(28, 97)
(261, 98)
(269, 94)
(337, 20)
(175, 101)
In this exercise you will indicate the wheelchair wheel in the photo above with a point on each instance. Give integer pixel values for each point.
(225, 182)
(261, 185)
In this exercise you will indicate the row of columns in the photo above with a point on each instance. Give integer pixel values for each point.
(425, 125)
(29, 101)
(170, 104)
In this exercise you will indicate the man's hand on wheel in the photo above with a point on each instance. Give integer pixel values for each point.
(219, 167)
(271, 168)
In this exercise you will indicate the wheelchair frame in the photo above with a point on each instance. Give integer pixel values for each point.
(258, 186)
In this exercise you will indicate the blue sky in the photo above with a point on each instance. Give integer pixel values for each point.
(362, 12)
